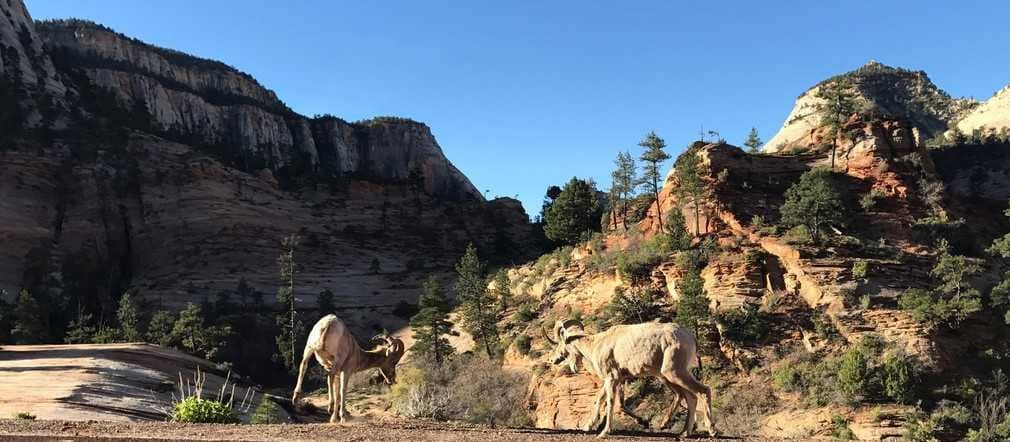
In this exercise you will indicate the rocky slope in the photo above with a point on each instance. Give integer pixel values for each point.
(175, 177)
(795, 283)
(880, 91)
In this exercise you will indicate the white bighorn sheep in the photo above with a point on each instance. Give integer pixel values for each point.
(340, 355)
(666, 351)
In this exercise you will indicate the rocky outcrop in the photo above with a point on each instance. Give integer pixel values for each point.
(21, 52)
(227, 113)
(881, 92)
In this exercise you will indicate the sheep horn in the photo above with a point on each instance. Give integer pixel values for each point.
(571, 322)
(547, 336)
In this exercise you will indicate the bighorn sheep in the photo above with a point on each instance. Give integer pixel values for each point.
(666, 351)
(339, 353)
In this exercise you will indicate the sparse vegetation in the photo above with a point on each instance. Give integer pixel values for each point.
(466, 388)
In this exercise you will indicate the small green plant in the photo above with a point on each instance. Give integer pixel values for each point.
(204, 411)
(24, 415)
(754, 257)
(840, 428)
(900, 377)
(860, 268)
(525, 313)
(633, 306)
(744, 325)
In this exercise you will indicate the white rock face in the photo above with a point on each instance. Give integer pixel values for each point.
(22, 50)
(991, 116)
(802, 120)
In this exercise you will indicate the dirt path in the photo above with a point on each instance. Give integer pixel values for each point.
(394, 431)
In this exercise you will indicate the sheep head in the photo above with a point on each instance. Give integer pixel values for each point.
(566, 332)
(394, 350)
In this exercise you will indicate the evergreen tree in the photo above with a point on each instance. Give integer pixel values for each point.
(813, 202)
(159, 330)
(838, 104)
(753, 142)
(954, 299)
(291, 328)
(324, 302)
(690, 184)
(80, 330)
(676, 227)
(624, 178)
(1000, 295)
(194, 336)
(245, 295)
(477, 307)
(502, 291)
(30, 320)
(431, 323)
(693, 306)
(653, 159)
(223, 304)
(575, 211)
(128, 315)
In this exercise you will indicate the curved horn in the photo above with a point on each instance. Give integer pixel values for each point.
(547, 336)
(571, 322)
(379, 337)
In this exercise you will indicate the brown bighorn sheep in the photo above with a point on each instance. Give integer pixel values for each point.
(340, 355)
(666, 351)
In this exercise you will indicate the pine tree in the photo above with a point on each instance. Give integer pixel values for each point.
(30, 325)
(690, 185)
(1000, 295)
(291, 328)
(837, 105)
(653, 157)
(813, 202)
(477, 307)
(624, 179)
(575, 211)
(502, 291)
(159, 330)
(693, 306)
(324, 302)
(676, 227)
(80, 330)
(194, 336)
(431, 323)
(753, 142)
(128, 315)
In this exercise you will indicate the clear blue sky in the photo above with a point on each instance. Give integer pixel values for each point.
(524, 94)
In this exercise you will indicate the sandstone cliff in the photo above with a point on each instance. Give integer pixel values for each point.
(880, 91)
(176, 178)
(992, 116)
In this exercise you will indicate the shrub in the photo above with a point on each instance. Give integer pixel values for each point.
(853, 375)
(744, 325)
(860, 268)
(899, 378)
(268, 412)
(754, 257)
(840, 428)
(633, 306)
(523, 344)
(468, 388)
(738, 407)
(525, 313)
(196, 410)
(24, 415)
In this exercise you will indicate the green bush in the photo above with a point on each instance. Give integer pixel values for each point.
(900, 377)
(840, 428)
(525, 313)
(25, 416)
(860, 268)
(268, 412)
(196, 410)
(633, 306)
(854, 375)
(744, 325)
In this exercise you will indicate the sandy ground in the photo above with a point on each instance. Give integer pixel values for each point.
(395, 431)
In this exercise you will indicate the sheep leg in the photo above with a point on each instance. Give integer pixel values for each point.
(597, 412)
(610, 389)
(687, 392)
(331, 382)
(677, 396)
(330, 394)
(306, 357)
(703, 396)
(343, 391)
